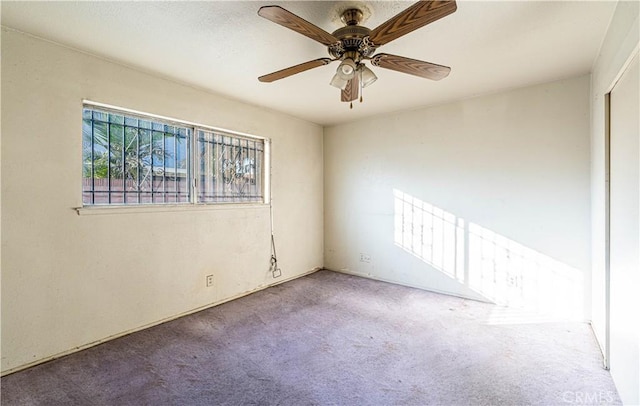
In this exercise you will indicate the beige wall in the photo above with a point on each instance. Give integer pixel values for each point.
(70, 280)
(485, 198)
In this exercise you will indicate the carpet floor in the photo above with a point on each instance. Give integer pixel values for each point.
(330, 339)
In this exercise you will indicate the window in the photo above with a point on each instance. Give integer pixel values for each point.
(229, 168)
(135, 159)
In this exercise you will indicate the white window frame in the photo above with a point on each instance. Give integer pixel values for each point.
(194, 174)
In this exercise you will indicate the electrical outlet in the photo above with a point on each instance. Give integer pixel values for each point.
(365, 258)
(209, 281)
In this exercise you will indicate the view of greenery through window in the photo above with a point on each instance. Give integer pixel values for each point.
(138, 160)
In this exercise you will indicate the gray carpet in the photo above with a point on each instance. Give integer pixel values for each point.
(330, 339)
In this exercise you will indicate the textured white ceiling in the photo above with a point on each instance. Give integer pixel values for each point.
(223, 46)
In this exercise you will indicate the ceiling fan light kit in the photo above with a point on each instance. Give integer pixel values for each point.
(347, 69)
(353, 44)
(338, 82)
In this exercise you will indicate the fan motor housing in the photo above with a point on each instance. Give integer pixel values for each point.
(351, 39)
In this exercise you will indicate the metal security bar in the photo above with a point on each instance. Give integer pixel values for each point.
(230, 168)
(134, 160)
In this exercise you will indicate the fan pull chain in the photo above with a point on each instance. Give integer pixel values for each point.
(360, 84)
(351, 105)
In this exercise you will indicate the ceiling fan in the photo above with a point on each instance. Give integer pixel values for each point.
(354, 43)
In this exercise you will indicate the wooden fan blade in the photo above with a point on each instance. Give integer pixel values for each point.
(281, 74)
(287, 19)
(350, 93)
(411, 66)
(416, 16)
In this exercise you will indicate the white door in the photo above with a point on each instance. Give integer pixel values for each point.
(624, 265)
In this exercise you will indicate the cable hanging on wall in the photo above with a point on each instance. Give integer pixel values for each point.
(275, 270)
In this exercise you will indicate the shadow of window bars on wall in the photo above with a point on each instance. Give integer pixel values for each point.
(498, 268)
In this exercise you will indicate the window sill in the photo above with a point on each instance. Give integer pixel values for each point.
(148, 208)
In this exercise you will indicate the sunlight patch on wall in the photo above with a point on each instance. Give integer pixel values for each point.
(429, 233)
(529, 285)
